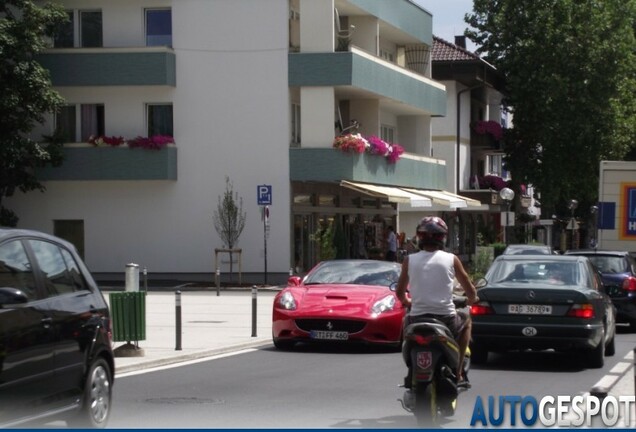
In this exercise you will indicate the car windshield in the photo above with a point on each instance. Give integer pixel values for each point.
(535, 271)
(609, 264)
(354, 272)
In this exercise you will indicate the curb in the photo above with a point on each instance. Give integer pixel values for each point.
(165, 361)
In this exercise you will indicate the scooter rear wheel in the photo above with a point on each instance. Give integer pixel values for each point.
(426, 410)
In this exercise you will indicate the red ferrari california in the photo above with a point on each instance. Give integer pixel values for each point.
(340, 301)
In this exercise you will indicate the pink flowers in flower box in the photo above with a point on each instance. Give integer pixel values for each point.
(154, 142)
(483, 127)
(351, 143)
(102, 140)
(356, 143)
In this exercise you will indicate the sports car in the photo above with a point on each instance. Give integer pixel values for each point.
(543, 302)
(340, 301)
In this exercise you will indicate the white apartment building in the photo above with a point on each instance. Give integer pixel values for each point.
(253, 90)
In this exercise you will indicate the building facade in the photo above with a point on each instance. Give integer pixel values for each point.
(167, 99)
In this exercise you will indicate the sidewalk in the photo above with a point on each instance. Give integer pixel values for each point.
(210, 325)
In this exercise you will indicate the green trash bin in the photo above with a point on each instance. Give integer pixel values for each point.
(128, 314)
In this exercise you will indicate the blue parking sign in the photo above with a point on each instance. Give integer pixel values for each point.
(264, 194)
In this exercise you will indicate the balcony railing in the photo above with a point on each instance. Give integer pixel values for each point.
(87, 162)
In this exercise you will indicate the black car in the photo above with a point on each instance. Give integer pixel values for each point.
(618, 271)
(56, 357)
(543, 302)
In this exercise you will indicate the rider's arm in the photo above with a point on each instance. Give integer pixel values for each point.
(464, 280)
(403, 283)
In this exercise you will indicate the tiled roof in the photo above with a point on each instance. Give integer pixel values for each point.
(447, 51)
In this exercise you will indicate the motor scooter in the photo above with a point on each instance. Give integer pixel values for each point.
(432, 356)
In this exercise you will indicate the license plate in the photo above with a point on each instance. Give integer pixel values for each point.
(329, 335)
(525, 309)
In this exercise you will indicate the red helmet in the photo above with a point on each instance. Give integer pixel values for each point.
(432, 231)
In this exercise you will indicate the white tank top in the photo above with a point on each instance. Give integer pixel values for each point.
(431, 276)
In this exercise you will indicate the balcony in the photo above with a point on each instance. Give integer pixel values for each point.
(110, 66)
(370, 76)
(331, 165)
(86, 162)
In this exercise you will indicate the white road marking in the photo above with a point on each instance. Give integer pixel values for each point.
(607, 381)
(620, 368)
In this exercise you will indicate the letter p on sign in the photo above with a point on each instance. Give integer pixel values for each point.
(264, 194)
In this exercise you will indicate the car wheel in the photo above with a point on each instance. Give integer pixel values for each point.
(596, 357)
(95, 408)
(610, 349)
(283, 345)
(478, 355)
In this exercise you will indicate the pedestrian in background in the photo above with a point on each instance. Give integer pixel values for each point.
(391, 240)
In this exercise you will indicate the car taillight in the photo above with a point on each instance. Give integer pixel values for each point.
(481, 308)
(582, 311)
(629, 284)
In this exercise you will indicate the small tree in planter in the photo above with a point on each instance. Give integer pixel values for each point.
(229, 218)
(324, 237)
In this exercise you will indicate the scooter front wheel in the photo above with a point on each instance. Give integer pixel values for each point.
(426, 411)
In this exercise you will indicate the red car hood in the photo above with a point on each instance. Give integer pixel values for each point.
(339, 300)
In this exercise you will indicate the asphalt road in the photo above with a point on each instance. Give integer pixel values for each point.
(315, 387)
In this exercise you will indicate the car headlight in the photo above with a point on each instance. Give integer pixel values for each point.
(386, 304)
(286, 301)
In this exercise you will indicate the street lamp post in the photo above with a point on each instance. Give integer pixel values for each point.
(594, 212)
(507, 195)
(572, 205)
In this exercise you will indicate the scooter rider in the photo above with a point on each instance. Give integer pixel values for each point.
(429, 276)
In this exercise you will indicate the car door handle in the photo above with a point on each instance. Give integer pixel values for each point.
(46, 322)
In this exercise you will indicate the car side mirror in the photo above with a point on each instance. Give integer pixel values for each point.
(294, 281)
(12, 296)
(481, 282)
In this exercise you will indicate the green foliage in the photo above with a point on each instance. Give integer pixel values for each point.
(324, 237)
(499, 248)
(339, 241)
(482, 262)
(570, 75)
(229, 219)
(25, 96)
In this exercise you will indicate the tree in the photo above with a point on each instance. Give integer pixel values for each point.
(26, 96)
(324, 238)
(569, 67)
(229, 219)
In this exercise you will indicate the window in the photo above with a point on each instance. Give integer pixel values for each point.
(158, 27)
(495, 165)
(387, 55)
(160, 120)
(387, 133)
(72, 231)
(90, 29)
(57, 278)
(65, 34)
(65, 123)
(15, 269)
(92, 120)
(295, 124)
